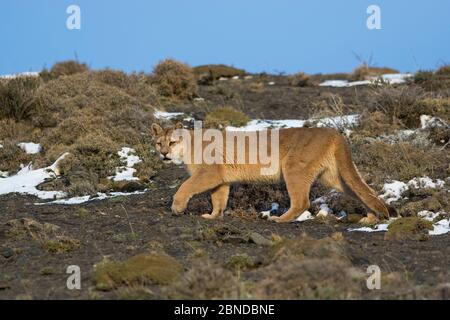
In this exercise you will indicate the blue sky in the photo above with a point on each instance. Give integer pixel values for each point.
(257, 35)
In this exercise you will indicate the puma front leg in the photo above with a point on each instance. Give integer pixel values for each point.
(196, 184)
(219, 198)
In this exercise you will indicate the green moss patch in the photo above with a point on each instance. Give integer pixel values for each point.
(409, 227)
(157, 268)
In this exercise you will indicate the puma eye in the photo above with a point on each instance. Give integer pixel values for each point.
(158, 144)
(171, 143)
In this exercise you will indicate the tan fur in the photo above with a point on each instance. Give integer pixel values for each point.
(305, 154)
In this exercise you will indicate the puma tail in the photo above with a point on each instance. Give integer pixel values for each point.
(355, 185)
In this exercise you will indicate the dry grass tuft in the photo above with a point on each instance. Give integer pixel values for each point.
(18, 98)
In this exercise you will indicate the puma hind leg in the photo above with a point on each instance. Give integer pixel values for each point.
(219, 199)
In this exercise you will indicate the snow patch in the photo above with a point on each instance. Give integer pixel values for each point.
(393, 190)
(27, 179)
(440, 227)
(16, 75)
(125, 173)
(84, 199)
(388, 78)
(334, 122)
(304, 216)
(163, 115)
(377, 228)
(30, 147)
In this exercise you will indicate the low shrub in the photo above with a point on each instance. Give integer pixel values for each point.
(18, 98)
(174, 79)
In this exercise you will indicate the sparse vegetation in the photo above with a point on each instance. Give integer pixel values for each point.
(226, 116)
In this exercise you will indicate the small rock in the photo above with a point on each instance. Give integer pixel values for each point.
(6, 252)
(259, 239)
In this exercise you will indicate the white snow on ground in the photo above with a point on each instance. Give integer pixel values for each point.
(99, 196)
(3, 174)
(163, 115)
(393, 191)
(389, 78)
(1, 146)
(30, 147)
(439, 227)
(16, 75)
(334, 122)
(27, 179)
(346, 122)
(377, 228)
(305, 216)
(427, 122)
(125, 173)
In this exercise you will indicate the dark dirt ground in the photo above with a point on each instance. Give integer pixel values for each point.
(122, 227)
(105, 229)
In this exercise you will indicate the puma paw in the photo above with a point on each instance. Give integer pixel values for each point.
(178, 208)
(275, 219)
(211, 217)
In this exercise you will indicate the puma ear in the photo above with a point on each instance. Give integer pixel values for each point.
(179, 125)
(156, 129)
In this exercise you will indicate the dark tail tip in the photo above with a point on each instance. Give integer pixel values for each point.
(392, 211)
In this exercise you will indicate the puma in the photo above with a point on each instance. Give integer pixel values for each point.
(304, 155)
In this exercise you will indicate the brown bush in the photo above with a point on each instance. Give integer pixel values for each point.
(364, 72)
(66, 68)
(399, 104)
(137, 85)
(92, 117)
(299, 79)
(18, 99)
(216, 71)
(444, 70)
(379, 161)
(433, 81)
(174, 79)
